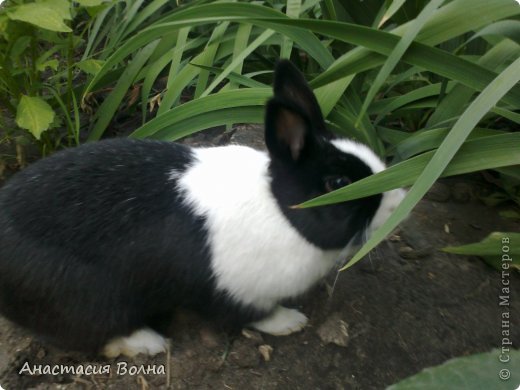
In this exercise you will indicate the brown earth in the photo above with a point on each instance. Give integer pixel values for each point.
(406, 307)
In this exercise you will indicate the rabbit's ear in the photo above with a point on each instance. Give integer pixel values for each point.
(287, 131)
(290, 86)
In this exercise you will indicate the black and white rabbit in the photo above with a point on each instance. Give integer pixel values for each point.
(100, 244)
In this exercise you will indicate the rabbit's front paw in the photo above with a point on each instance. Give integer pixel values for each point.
(144, 341)
(281, 322)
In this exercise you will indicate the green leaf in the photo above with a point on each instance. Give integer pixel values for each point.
(212, 13)
(107, 110)
(239, 59)
(292, 10)
(442, 157)
(176, 57)
(90, 66)
(394, 7)
(53, 64)
(210, 119)
(62, 7)
(241, 39)
(506, 28)
(234, 99)
(477, 154)
(500, 250)
(34, 114)
(40, 15)
(425, 140)
(89, 3)
(396, 54)
(475, 372)
(430, 58)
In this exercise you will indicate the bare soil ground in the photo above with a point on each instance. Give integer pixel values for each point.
(406, 307)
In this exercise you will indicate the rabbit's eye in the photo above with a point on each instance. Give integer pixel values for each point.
(335, 182)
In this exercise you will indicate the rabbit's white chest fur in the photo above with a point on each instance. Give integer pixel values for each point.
(258, 258)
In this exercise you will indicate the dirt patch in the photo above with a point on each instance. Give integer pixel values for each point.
(406, 307)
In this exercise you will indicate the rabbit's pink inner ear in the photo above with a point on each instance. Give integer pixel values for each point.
(291, 131)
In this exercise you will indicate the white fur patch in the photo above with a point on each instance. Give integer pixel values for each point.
(390, 201)
(281, 322)
(258, 258)
(363, 152)
(144, 341)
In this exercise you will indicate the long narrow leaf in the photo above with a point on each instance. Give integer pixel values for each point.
(251, 97)
(112, 102)
(398, 52)
(442, 157)
(475, 155)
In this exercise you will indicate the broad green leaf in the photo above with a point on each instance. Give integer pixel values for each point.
(34, 114)
(475, 372)
(62, 7)
(53, 64)
(442, 157)
(90, 66)
(500, 250)
(40, 15)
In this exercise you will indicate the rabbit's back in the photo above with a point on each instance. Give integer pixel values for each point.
(98, 237)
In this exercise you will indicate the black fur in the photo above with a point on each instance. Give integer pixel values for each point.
(295, 180)
(95, 244)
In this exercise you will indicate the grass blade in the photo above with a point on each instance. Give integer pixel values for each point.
(108, 108)
(440, 160)
(397, 53)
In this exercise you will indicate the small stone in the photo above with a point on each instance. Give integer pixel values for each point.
(394, 238)
(266, 351)
(407, 252)
(334, 331)
(209, 338)
(256, 337)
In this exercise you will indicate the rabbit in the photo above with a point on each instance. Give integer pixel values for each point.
(100, 244)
